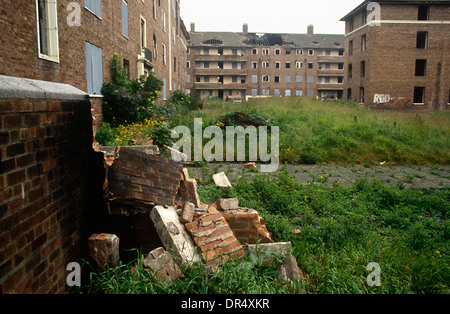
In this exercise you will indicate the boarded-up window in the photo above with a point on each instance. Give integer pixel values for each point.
(124, 19)
(94, 69)
(94, 6)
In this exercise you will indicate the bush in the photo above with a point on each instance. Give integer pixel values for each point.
(105, 135)
(126, 101)
(185, 103)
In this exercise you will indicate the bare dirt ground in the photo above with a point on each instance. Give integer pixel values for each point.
(414, 176)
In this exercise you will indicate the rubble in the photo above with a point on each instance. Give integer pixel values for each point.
(139, 181)
(104, 249)
(161, 262)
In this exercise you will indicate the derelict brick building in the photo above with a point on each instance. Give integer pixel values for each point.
(398, 54)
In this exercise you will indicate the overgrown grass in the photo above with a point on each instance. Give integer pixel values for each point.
(314, 131)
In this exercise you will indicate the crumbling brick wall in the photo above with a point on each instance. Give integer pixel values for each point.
(44, 147)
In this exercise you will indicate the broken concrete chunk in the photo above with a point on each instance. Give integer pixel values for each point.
(250, 165)
(221, 180)
(163, 264)
(180, 245)
(227, 203)
(289, 270)
(104, 249)
(187, 213)
(173, 228)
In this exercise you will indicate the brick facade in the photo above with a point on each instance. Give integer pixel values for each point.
(45, 149)
(19, 41)
(236, 66)
(382, 72)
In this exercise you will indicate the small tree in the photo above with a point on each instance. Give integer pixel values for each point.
(129, 100)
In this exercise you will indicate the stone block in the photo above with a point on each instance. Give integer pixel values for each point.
(187, 213)
(227, 204)
(180, 244)
(104, 249)
(221, 180)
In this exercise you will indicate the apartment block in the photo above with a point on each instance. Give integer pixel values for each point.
(237, 66)
(74, 42)
(397, 54)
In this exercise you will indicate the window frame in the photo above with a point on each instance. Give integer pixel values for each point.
(51, 36)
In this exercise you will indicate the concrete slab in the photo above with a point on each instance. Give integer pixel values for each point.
(180, 244)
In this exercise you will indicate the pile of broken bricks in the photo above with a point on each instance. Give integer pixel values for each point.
(189, 230)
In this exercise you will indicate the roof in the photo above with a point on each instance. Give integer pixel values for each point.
(230, 39)
(423, 2)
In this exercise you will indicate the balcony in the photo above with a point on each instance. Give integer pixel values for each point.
(236, 58)
(218, 86)
(221, 72)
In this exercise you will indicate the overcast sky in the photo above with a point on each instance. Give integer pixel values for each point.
(267, 16)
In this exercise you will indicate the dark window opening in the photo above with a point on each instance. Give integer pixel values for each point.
(419, 95)
(422, 40)
(421, 65)
(424, 13)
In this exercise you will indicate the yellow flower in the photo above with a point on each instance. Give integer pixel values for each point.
(438, 252)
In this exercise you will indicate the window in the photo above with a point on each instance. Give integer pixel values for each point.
(188, 78)
(310, 79)
(175, 64)
(422, 40)
(350, 47)
(419, 95)
(361, 95)
(143, 33)
(310, 93)
(299, 52)
(266, 92)
(299, 65)
(164, 54)
(363, 43)
(234, 52)
(206, 65)
(277, 79)
(163, 19)
(265, 78)
(298, 79)
(288, 79)
(363, 68)
(124, 19)
(47, 30)
(94, 69)
(126, 67)
(234, 65)
(288, 65)
(350, 71)
(265, 64)
(155, 47)
(311, 52)
(288, 51)
(276, 92)
(310, 65)
(349, 94)
(265, 51)
(287, 93)
(164, 89)
(277, 65)
(254, 92)
(277, 51)
(298, 92)
(423, 13)
(254, 79)
(421, 65)
(94, 6)
(254, 65)
(234, 79)
(341, 52)
(254, 51)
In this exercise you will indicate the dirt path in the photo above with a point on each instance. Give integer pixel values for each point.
(414, 176)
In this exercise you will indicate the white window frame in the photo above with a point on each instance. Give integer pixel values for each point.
(163, 17)
(143, 32)
(51, 33)
(164, 54)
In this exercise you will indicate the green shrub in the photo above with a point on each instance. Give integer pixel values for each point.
(126, 100)
(105, 135)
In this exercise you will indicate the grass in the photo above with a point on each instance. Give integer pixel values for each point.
(343, 228)
(315, 131)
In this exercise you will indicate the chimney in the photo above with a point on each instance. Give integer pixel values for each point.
(310, 29)
(192, 27)
(245, 28)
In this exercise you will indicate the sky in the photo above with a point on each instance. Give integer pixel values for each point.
(267, 16)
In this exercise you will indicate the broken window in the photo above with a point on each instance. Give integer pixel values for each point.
(287, 93)
(422, 40)
(361, 95)
(349, 94)
(421, 65)
(288, 78)
(254, 65)
(419, 95)
(423, 13)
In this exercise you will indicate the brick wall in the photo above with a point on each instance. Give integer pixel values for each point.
(45, 150)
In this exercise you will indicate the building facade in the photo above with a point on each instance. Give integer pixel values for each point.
(397, 54)
(74, 42)
(238, 66)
